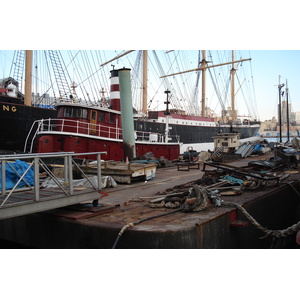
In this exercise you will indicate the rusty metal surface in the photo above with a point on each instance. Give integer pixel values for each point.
(214, 227)
(133, 201)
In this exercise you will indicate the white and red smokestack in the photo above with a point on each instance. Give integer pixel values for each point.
(115, 90)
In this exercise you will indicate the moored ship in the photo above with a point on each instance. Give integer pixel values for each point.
(100, 122)
(158, 125)
(88, 128)
(16, 117)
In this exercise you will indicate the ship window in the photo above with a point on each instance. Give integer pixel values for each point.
(69, 112)
(101, 116)
(111, 118)
(81, 113)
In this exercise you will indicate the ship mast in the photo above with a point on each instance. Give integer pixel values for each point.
(232, 73)
(203, 67)
(28, 78)
(145, 81)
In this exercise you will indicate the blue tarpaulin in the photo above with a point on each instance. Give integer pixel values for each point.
(11, 176)
(258, 148)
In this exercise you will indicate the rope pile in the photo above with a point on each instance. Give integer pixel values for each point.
(198, 201)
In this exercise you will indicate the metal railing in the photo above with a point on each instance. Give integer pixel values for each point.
(68, 126)
(36, 161)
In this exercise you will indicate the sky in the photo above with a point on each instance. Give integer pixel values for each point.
(267, 66)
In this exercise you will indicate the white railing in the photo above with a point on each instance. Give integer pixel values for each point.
(68, 126)
(79, 127)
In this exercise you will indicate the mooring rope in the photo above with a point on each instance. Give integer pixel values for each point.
(276, 234)
(199, 200)
(129, 225)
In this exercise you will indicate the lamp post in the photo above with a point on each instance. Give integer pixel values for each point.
(280, 86)
(287, 112)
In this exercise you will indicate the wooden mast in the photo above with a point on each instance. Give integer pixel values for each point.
(28, 78)
(203, 67)
(232, 73)
(207, 67)
(145, 81)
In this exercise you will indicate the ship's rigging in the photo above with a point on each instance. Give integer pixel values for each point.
(88, 72)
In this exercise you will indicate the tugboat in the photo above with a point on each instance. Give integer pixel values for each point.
(85, 128)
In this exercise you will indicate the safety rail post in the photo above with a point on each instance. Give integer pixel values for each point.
(49, 125)
(65, 170)
(36, 179)
(3, 177)
(99, 170)
(70, 171)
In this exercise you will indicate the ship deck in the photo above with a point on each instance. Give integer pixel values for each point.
(84, 226)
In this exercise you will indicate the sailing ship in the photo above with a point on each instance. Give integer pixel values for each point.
(18, 110)
(200, 128)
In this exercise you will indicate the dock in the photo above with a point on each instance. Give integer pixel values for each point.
(124, 217)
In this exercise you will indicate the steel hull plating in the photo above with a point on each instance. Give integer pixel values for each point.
(114, 148)
(16, 120)
(196, 134)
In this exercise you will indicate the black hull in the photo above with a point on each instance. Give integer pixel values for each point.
(195, 134)
(16, 120)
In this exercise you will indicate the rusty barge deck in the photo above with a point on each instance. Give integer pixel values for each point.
(83, 226)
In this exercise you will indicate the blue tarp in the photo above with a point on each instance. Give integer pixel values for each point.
(258, 148)
(11, 176)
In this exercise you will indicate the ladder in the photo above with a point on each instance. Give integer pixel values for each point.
(60, 76)
(18, 70)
